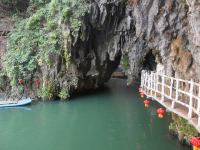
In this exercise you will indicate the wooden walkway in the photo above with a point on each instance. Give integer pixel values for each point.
(179, 96)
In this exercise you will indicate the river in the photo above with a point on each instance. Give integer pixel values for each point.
(114, 119)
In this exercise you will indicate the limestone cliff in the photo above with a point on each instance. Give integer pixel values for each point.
(145, 32)
(150, 29)
(160, 28)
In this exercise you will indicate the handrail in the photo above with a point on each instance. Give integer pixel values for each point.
(177, 95)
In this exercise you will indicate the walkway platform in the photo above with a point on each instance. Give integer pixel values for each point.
(179, 96)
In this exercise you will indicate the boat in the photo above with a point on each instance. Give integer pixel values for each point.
(15, 103)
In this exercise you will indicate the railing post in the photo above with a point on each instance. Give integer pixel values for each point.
(191, 99)
(146, 81)
(198, 104)
(154, 87)
(151, 83)
(142, 79)
(176, 96)
(163, 89)
(156, 83)
(171, 87)
(198, 108)
(198, 121)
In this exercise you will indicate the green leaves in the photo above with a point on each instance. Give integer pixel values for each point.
(182, 126)
(125, 62)
(20, 58)
(49, 90)
(63, 94)
(40, 34)
(73, 12)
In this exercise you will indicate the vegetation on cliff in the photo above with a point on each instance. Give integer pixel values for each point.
(45, 30)
(183, 129)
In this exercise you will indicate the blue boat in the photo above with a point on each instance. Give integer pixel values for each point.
(15, 103)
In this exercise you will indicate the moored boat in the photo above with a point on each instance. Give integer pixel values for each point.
(15, 103)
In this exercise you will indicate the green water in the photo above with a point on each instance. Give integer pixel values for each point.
(110, 120)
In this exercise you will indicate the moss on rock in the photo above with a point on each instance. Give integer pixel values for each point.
(183, 130)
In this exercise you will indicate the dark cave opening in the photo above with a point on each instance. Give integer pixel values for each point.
(121, 67)
(150, 61)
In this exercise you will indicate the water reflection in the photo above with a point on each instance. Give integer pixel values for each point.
(18, 108)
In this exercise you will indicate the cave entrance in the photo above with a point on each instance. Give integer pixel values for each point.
(150, 61)
(123, 65)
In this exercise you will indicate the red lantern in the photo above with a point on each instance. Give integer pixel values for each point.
(37, 83)
(20, 81)
(146, 103)
(195, 141)
(161, 112)
(142, 94)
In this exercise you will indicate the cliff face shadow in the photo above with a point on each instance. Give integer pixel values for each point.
(101, 90)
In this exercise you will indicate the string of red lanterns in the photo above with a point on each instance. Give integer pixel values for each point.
(160, 111)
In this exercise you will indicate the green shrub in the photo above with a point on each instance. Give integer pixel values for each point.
(40, 34)
(125, 62)
(48, 91)
(181, 126)
(63, 94)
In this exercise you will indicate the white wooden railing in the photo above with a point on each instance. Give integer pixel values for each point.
(179, 96)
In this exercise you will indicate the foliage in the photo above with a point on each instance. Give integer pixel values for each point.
(40, 34)
(21, 89)
(37, 4)
(48, 91)
(63, 94)
(181, 126)
(125, 62)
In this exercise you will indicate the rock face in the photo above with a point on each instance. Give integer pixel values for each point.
(194, 33)
(140, 27)
(147, 31)
(95, 50)
(98, 54)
